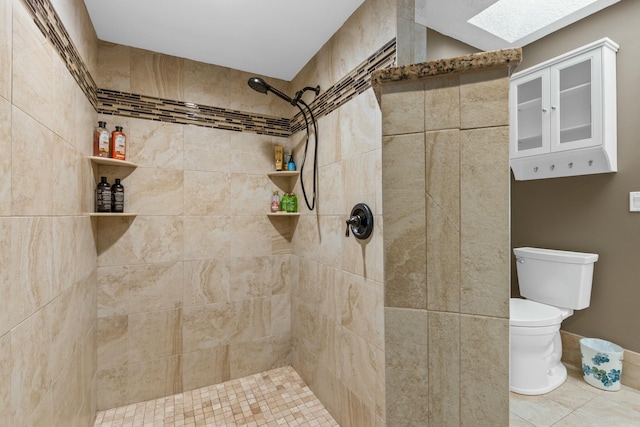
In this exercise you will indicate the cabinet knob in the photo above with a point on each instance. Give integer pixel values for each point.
(553, 107)
(544, 110)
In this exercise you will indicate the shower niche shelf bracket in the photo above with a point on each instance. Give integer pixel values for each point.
(107, 161)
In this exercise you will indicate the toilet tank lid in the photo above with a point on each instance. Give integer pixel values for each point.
(527, 313)
(555, 255)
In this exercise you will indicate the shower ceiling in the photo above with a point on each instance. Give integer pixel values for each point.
(276, 38)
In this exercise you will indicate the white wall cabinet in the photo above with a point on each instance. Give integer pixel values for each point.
(562, 115)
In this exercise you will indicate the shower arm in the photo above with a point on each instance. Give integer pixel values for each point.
(298, 97)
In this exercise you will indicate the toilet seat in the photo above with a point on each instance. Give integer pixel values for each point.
(527, 313)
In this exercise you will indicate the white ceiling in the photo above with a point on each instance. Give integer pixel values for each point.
(276, 38)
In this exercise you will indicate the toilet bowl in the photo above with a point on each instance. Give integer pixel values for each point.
(535, 347)
(553, 283)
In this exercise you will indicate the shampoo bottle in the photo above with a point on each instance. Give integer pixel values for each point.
(117, 197)
(103, 196)
(275, 201)
(101, 140)
(118, 144)
(293, 203)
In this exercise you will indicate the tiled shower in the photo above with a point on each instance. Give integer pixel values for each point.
(200, 286)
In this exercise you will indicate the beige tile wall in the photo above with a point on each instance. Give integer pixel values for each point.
(48, 252)
(337, 318)
(445, 163)
(195, 289)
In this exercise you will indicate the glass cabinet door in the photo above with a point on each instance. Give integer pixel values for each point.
(528, 115)
(574, 105)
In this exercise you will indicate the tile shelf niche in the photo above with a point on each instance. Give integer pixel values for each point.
(111, 162)
(292, 175)
(283, 214)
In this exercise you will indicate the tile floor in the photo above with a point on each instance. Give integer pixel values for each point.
(577, 404)
(280, 398)
(274, 398)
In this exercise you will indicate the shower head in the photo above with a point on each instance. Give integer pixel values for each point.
(259, 85)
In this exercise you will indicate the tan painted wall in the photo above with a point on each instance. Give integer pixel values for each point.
(440, 46)
(591, 213)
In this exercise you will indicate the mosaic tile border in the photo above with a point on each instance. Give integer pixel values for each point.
(111, 102)
(165, 110)
(350, 86)
(49, 23)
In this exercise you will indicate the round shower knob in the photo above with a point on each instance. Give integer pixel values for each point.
(360, 221)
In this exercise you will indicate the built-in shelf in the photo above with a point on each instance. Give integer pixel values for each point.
(113, 214)
(292, 175)
(111, 162)
(283, 214)
(284, 173)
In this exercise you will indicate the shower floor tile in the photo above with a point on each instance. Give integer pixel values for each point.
(274, 398)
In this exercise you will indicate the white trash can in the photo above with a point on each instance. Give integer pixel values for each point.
(601, 363)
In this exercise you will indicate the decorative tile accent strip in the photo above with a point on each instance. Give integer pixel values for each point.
(165, 110)
(146, 107)
(351, 85)
(49, 23)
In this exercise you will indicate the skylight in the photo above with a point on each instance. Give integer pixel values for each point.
(511, 20)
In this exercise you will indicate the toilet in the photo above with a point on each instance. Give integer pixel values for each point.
(554, 283)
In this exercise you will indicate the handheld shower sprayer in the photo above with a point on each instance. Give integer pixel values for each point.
(259, 85)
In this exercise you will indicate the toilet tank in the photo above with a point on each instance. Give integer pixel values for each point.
(558, 278)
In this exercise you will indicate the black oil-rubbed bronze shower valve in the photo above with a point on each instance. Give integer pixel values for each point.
(360, 221)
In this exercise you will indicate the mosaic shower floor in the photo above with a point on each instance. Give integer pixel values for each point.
(274, 398)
